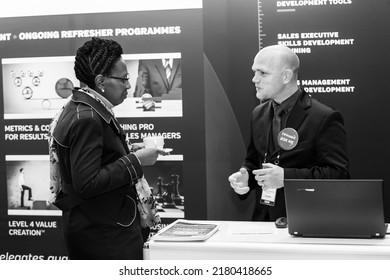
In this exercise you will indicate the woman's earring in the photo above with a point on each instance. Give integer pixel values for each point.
(102, 89)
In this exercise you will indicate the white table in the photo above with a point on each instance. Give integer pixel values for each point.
(262, 240)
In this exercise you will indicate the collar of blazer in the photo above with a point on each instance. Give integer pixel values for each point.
(102, 111)
(80, 97)
(299, 111)
(161, 70)
(262, 117)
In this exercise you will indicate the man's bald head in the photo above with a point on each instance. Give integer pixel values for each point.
(281, 57)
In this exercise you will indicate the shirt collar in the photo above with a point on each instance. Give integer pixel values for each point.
(167, 60)
(289, 103)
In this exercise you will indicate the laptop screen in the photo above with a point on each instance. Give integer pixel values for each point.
(335, 208)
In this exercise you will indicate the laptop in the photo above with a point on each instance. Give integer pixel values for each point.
(335, 208)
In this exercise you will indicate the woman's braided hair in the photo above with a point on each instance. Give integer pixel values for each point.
(95, 57)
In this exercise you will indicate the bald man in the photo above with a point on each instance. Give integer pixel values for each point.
(305, 140)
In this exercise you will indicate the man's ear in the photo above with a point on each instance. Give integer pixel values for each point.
(99, 82)
(287, 76)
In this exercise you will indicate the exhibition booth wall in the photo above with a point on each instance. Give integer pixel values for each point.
(342, 46)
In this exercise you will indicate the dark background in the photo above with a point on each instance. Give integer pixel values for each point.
(231, 40)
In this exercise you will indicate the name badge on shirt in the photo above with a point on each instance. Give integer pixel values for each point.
(268, 197)
(288, 138)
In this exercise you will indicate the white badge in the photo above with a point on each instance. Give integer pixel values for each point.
(268, 197)
(288, 138)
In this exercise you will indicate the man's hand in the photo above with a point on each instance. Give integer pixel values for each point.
(239, 181)
(270, 176)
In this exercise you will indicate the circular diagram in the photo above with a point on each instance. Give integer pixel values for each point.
(18, 81)
(64, 87)
(27, 93)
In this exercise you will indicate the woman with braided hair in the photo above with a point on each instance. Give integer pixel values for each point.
(98, 172)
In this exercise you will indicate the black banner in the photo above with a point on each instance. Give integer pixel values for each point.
(37, 57)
